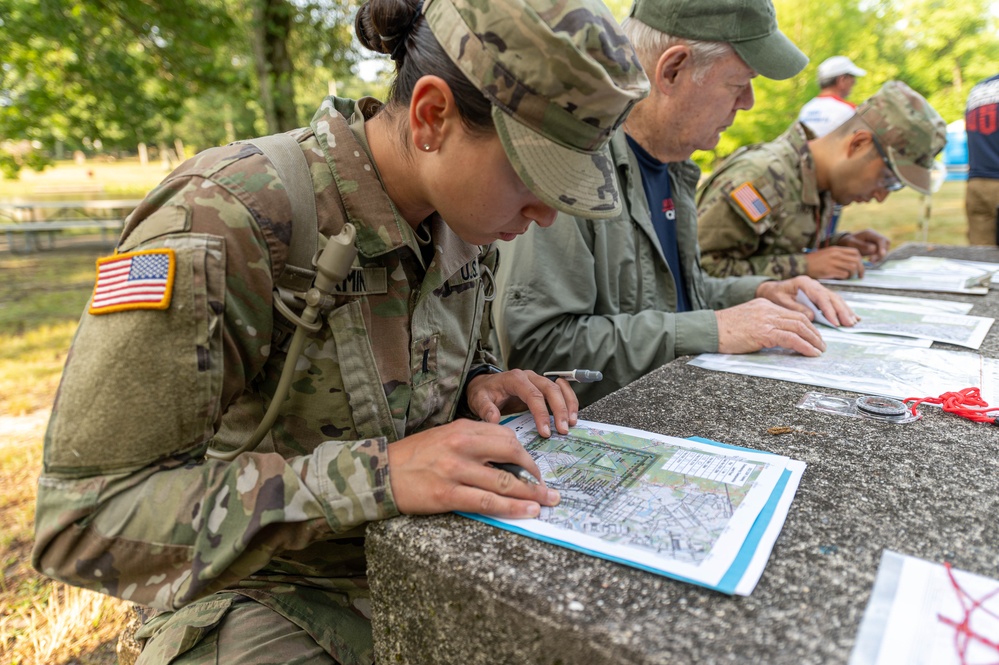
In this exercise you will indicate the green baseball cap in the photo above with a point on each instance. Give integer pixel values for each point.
(911, 132)
(749, 26)
(561, 76)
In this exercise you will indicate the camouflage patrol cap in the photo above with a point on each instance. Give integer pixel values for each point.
(909, 129)
(749, 26)
(561, 76)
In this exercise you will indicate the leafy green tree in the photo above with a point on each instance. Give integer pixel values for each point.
(134, 71)
(938, 48)
(78, 70)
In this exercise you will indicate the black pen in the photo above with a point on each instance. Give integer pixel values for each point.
(516, 470)
(579, 375)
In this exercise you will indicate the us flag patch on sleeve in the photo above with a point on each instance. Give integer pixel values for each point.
(135, 280)
(750, 201)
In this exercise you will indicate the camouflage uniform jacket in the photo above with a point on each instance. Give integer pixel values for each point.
(599, 294)
(762, 208)
(127, 502)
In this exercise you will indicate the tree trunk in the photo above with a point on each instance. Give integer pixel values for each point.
(272, 21)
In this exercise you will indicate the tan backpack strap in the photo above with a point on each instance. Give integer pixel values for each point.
(286, 155)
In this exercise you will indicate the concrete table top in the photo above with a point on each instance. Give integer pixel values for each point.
(447, 589)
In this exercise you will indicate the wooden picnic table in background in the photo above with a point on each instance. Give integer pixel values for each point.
(38, 220)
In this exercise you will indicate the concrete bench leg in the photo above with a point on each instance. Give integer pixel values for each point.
(128, 648)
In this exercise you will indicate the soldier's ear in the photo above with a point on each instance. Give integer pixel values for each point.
(861, 143)
(432, 112)
(674, 61)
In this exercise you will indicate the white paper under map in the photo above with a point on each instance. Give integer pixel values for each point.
(931, 304)
(921, 614)
(875, 369)
(916, 319)
(924, 273)
(674, 506)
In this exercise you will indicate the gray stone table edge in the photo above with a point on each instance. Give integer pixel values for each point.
(447, 589)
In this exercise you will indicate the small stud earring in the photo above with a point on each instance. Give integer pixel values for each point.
(426, 146)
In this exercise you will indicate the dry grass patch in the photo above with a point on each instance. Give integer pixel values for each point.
(41, 621)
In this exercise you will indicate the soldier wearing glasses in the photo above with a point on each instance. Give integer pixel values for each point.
(767, 209)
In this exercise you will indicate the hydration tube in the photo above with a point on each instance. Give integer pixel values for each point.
(332, 267)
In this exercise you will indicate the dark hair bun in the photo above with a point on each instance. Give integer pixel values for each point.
(382, 24)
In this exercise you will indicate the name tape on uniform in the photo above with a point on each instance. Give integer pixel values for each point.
(364, 281)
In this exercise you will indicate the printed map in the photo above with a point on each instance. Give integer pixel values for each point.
(905, 321)
(655, 496)
(694, 510)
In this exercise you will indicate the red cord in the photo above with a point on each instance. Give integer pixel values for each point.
(963, 634)
(967, 403)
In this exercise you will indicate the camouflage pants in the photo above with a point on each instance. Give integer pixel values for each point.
(981, 203)
(228, 628)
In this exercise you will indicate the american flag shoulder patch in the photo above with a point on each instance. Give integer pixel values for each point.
(134, 280)
(750, 201)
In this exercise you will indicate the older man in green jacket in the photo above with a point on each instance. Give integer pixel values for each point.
(627, 295)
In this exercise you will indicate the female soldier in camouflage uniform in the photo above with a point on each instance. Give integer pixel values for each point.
(499, 115)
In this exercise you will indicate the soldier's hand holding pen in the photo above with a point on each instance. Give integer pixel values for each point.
(868, 242)
(449, 468)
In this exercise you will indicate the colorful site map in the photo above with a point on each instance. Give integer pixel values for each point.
(695, 510)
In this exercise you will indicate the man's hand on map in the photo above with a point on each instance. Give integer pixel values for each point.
(759, 324)
(785, 293)
(446, 468)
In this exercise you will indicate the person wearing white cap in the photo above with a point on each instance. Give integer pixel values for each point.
(830, 108)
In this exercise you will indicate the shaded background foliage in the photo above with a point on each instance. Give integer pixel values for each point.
(941, 49)
(110, 74)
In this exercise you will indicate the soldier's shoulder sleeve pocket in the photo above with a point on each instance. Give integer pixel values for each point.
(142, 383)
(750, 203)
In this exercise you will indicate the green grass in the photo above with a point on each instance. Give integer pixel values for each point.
(900, 217)
(39, 312)
(96, 178)
(41, 298)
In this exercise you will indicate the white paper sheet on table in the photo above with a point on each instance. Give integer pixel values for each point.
(916, 319)
(992, 267)
(924, 273)
(695, 510)
(834, 333)
(919, 614)
(931, 304)
(891, 370)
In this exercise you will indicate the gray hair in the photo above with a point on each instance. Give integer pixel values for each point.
(650, 44)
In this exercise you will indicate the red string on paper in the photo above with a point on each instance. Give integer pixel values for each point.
(963, 635)
(967, 403)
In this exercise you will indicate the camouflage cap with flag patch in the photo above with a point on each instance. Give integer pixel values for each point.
(911, 132)
(561, 76)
